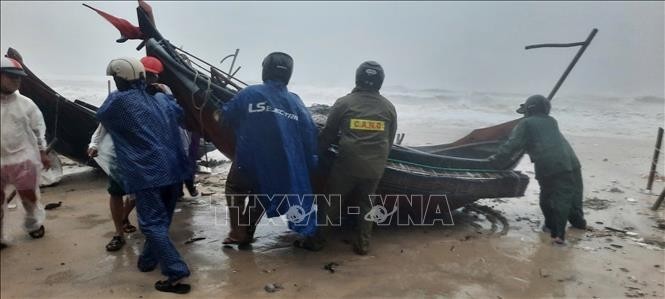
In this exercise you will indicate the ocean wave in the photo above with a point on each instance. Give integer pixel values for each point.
(438, 109)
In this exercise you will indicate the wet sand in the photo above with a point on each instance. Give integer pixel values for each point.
(481, 256)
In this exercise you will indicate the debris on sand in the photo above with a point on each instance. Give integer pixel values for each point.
(212, 163)
(615, 190)
(192, 240)
(633, 292)
(568, 278)
(630, 199)
(331, 267)
(273, 287)
(655, 242)
(615, 229)
(660, 223)
(51, 206)
(596, 203)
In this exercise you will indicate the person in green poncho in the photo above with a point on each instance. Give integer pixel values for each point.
(557, 168)
(362, 125)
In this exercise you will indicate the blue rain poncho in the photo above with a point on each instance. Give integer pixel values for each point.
(145, 132)
(275, 150)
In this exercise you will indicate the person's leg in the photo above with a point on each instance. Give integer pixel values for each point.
(329, 213)
(34, 212)
(153, 208)
(191, 188)
(2, 209)
(129, 205)
(253, 214)
(364, 227)
(561, 201)
(179, 192)
(236, 193)
(28, 189)
(117, 208)
(546, 191)
(116, 205)
(576, 216)
(238, 228)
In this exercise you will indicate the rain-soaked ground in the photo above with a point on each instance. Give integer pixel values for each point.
(493, 250)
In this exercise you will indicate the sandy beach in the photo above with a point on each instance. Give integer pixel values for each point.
(449, 69)
(482, 256)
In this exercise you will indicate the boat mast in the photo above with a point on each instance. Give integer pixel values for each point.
(583, 47)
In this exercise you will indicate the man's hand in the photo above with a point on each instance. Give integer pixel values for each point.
(161, 88)
(92, 152)
(45, 161)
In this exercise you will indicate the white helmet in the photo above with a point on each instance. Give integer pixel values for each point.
(11, 66)
(127, 68)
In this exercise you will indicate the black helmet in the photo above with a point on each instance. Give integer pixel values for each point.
(536, 104)
(277, 66)
(369, 75)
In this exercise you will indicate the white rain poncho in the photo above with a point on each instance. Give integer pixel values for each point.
(22, 137)
(102, 142)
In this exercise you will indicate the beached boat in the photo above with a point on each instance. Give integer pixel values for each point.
(70, 124)
(458, 170)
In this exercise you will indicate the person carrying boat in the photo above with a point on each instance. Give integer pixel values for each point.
(557, 168)
(151, 164)
(120, 207)
(190, 140)
(23, 148)
(363, 125)
(275, 153)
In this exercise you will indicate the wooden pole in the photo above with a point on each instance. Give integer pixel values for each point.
(583, 47)
(659, 201)
(654, 161)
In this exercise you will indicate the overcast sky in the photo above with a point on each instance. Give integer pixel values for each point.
(449, 45)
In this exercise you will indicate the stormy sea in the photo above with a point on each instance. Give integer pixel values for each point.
(435, 116)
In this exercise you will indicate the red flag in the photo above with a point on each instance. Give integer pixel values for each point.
(127, 30)
(148, 10)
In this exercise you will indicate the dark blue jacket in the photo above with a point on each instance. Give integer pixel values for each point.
(145, 133)
(275, 148)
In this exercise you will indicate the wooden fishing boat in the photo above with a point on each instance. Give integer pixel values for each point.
(70, 124)
(458, 170)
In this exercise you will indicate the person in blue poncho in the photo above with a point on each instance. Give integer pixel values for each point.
(275, 154)
(150, 162)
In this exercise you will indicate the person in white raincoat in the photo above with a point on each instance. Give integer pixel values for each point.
(23, 147)
(102, 150)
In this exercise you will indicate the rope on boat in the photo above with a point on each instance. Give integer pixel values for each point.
(230, 77)
(46, 88)
(206, 98)
(445, 168)
(57, 117)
